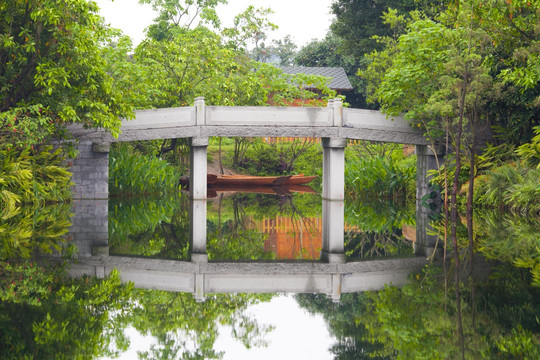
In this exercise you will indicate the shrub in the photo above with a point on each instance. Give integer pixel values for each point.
(379, 177)
(32, 177)
(131, 173)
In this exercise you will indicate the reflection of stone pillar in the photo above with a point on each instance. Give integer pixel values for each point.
(333, 199)
(198, 229)
(198, 294)
(336, 287)
(198, 168)
(333, 249)
(91, 171)
(426, 200)
(90, 224)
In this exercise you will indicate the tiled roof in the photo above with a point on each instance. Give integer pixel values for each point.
(339, 81)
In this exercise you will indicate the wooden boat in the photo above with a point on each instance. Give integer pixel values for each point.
(300, 179)
(250, 180)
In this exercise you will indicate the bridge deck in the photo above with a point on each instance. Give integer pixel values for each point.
(266, 121)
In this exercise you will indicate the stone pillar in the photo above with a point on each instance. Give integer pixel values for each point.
(333, 248)
(334, 168)
(198, 168)
(90, 171)
(333, 199)
(427, 200)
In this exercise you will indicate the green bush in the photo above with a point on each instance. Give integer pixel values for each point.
(511, 186)
(31, 177)
(380, 177)
(131, 173)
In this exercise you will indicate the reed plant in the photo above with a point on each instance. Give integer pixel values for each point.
(135, 174)
(380, 177)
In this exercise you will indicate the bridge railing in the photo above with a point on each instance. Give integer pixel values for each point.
(268, 121)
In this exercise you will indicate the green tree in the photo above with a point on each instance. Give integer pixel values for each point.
(52, 71)
(181, 14)
(358, 21)
(328, 53)
(250, 26)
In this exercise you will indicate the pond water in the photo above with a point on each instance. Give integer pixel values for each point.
(262, 290)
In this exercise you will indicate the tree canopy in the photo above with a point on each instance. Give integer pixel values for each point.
(52, 71)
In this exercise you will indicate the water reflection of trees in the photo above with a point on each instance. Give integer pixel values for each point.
(455, 309)
(44, 314)
(353, 340)
(35, 228)
(375, 227)
(149, 227)
(185, 329)
(499, 318)
(235, 222)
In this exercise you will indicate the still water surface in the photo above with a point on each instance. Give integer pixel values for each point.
(497, 317)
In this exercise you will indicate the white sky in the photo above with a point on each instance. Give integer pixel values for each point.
(304, 20)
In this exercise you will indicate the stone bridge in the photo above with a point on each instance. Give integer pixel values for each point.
(333, 124)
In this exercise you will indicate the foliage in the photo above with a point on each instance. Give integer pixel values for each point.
(230, 242)
(46, 314)
(180, 14)
(24, 282)
(284, 49)
(361, 244)
(379, 177)
(352, 337)
(249, 26)
(280, 158)
(52, 71)
(357, 21)
(33, 178)
(131, 173)
(417, 73)
(378, 215)
(511, 186)
(393, 318)
(530, 152)
(356, 32)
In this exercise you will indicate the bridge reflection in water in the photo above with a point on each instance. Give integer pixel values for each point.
(328, 273)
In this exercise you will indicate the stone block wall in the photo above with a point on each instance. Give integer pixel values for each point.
(90, 172)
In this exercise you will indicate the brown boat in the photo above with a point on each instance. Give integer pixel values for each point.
(300, 179)
(250, 180)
